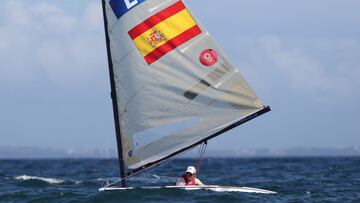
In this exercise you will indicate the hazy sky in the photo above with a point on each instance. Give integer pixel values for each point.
(301, 57)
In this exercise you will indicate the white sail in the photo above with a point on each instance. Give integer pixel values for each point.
(174, 85)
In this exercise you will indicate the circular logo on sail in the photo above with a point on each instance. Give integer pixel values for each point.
(208, 57)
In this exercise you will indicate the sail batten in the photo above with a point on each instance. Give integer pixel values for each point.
(174, 87)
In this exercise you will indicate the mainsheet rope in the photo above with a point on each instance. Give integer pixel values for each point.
(200, 157)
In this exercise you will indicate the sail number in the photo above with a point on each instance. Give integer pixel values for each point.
(129, 4)
(120, 7)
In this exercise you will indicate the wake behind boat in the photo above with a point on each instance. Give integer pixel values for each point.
(214, 188)
(172, 87)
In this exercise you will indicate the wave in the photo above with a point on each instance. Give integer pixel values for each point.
(47, 180)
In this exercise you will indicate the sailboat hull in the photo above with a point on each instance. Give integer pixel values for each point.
(214, 188)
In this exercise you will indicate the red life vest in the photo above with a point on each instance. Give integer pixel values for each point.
(191, 182)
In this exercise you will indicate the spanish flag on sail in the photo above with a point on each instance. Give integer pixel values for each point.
(164, 31)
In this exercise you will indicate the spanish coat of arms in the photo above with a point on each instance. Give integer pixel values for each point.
(155, 38)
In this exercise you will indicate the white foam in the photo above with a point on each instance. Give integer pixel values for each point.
(106, 179)
(156, 176)
(77, 182)
(48, 180)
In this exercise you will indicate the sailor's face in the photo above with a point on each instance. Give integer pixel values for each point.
(188, 175)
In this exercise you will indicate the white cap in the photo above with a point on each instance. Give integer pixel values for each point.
(191, 169)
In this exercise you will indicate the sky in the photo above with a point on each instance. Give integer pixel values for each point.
(301, 57)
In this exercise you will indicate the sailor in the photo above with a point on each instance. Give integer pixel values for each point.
(188, 179)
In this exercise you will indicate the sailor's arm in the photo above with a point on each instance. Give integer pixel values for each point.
(198, 182)
(180, 182)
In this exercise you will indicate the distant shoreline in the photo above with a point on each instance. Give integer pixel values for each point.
(26, 152)
(185, 158)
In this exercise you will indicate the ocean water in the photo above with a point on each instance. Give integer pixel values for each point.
(294, 180)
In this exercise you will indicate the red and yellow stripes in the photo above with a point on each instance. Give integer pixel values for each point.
(164, 31)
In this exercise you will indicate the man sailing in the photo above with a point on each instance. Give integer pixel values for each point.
(189, 178)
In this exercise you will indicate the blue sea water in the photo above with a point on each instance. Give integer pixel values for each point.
(294, 180)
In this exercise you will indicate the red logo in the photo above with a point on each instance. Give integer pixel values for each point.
(208, 57)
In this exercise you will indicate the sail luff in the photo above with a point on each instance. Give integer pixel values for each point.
(230, 127)
(114, 100)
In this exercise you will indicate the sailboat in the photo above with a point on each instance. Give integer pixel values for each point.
(172, 87)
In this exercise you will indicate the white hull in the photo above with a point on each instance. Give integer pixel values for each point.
(215, 188)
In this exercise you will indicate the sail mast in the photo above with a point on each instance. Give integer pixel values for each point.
(114, 100)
